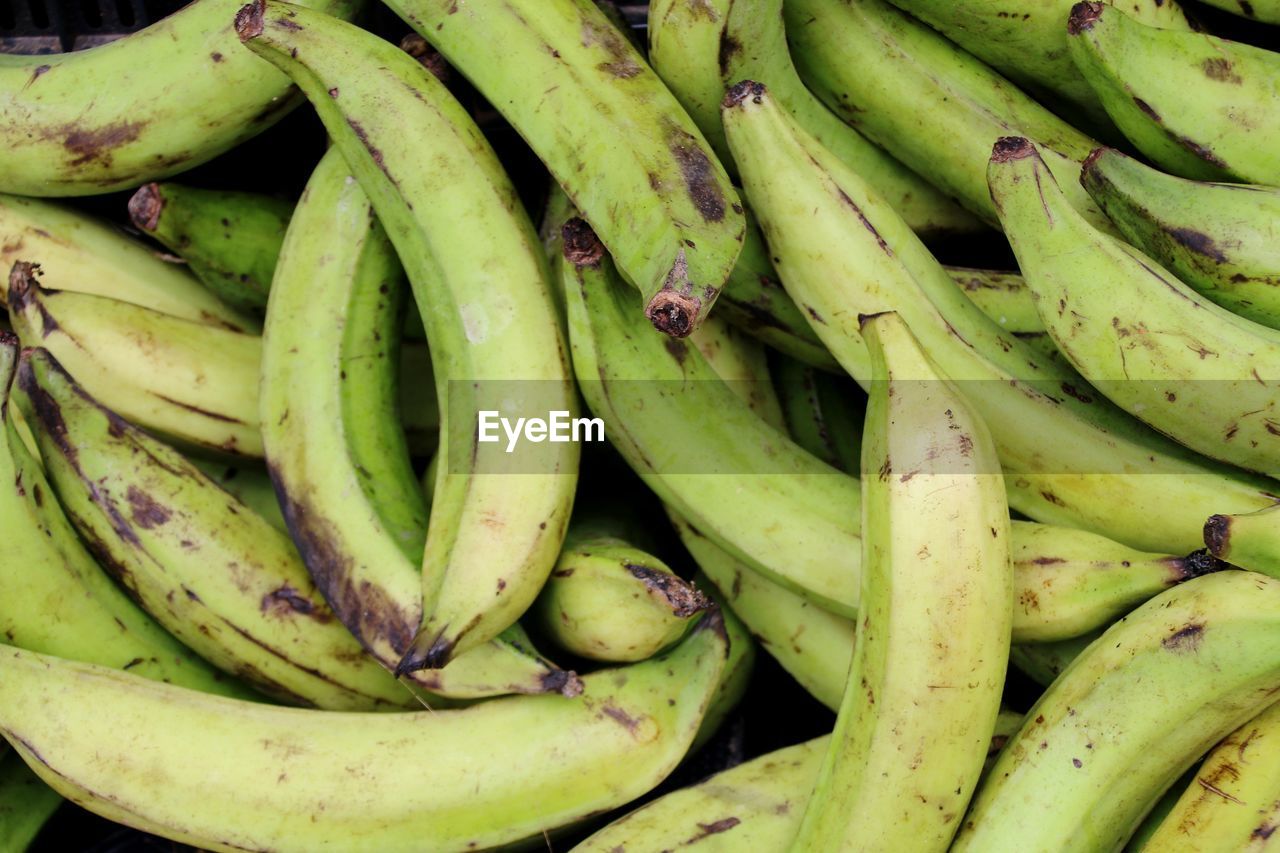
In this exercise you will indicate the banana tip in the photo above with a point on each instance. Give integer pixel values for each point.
(1088, 165)
(22, 283)
(145, 206)
(426, 653)
(582, 247)
(1009, 148)
(1201, 562)
(673, 313)
(1217, 535)
(1083, 16)
(563, 681)
(742, 91)
(249, 20)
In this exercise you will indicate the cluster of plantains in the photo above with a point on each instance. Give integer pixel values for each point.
(265, 586)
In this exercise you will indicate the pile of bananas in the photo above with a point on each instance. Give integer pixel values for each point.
(265, 585)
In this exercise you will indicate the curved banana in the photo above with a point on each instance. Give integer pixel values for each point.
(337, 455)
(813, 645)
(89, 256)
(1198, 106)
(1044, 662)
(1154, 347)
(143, 107)
(612, 135)
(1222, 239)
(1267, 11)
(230, 240)
(290, 779)
(56, 599)
(699, 447)
(480, 280)
(929, 659)
(1070, 457)
(26, 803)
(1027, 41)
(219, 578)
(188, 381)
(608, 600)
(935, 107)
(1233, 803)
(1130, 715)
(1069, 582)
(1250, 540)
(753, 806)
(701, 48)
(824, 412)
(1002, 296)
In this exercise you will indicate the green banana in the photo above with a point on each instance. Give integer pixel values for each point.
(648, 390)
(918, 96)
(1027, 41)
(1250, 540)
(290, 779)
(26, 803)
(700, 48)
(1221, 239)
(331, 432)
(1234, 801)
(1156, 348)
(813, 645)
(90, 256)
(1198, 106)
(140, 108)
(1002, 296)
(230, 240)
(608, 600)
(1044, 662)
(612, 135)
(915, 723)
(1070, 458)
(753, 806)
(56, 599)
(1070, 582)
(1267, 11)
(480, 280)
(824, 414)
(188, 381)
(219, 578)
(1130, 715)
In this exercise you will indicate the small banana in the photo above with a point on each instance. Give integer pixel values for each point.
(1069, 582)
(1154, 347)
(699, 447)
(139, 108)
(480, 280)
(824, 412)
(1070, 457)
(89, 256)
(230, 240)
(56, 599)
(924, 686)
(330, 382)
(920, 97)
(612, 135)
(290, 779)
(1250, 540)
(1027, 41)
(1130, 715)
(26, 803)
(218, 577)
(1044, 662)
(188, 381)
(1233, 803)
(701, 48)
(1219, 238)
(608, 600)
(1198, 106)
(753, 806)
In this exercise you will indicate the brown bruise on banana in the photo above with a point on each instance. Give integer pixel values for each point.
(25, 292)
(684, 599)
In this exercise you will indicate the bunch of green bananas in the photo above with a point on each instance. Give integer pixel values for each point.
(380, 519)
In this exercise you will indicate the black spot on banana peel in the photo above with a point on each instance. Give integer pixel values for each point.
(147, 512)
(24, 290)
(684, 598)
(1186, 639)
(145, 207)
(1083, 16)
